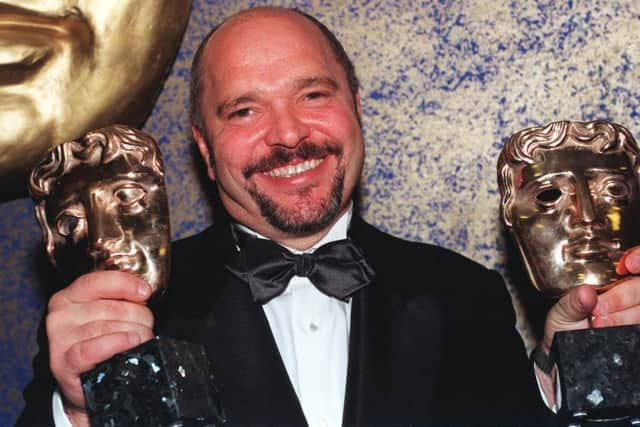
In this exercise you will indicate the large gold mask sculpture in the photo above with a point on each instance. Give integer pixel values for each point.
(571, 199)
(68, 66)
(101, 203)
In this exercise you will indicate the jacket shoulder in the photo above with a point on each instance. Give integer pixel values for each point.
(197, 272)
(411, 265)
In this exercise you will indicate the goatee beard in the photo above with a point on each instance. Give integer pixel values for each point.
(304, 217)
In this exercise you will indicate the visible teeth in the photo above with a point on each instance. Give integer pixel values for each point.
(289, 171)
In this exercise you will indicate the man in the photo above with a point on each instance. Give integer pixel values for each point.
(429, 340)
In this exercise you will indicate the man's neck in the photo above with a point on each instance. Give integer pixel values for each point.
(337, 230)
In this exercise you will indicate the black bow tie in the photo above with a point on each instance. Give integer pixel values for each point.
(337, 269)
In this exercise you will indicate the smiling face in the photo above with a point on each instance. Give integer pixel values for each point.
(574, 214)
(68, 66)
(282, 136)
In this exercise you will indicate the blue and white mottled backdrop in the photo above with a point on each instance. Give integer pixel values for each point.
(443, 84)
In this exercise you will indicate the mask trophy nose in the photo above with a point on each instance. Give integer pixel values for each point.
(103, 230)
(586, 212)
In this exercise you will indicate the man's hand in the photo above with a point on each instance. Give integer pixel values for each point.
(98, 315)
(583, 307)
(572, 311)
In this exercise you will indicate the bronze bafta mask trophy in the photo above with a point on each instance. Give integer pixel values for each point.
(101, 203)
(571, 199)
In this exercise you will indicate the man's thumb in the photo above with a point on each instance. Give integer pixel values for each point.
(571, 312)
(576, 305)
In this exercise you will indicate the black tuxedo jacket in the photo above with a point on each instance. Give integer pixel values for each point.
(432, 340)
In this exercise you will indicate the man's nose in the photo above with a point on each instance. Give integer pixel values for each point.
(287, 127)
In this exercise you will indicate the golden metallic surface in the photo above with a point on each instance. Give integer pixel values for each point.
(68, 66)
(102, 204)
(571, 198)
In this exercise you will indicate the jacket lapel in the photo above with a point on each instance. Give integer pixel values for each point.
(391, 352)
(251, 375)
(363, 379)
(219, 313)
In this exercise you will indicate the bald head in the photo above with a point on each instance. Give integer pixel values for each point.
(278, 14)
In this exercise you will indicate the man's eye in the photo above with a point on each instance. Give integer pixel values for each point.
(129, 194)
(315, 95)
(548, 196)
(241, 114)
(68, 224)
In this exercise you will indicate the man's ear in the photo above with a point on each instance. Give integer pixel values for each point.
(203, 147)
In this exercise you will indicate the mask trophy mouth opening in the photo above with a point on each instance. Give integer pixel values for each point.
(588, 250)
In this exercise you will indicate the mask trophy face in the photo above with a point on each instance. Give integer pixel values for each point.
(102, 205)
(570, 197)
(70, 66)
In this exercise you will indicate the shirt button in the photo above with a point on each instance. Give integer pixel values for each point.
(313, 326)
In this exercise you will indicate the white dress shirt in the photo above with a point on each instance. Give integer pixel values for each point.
(311, 331)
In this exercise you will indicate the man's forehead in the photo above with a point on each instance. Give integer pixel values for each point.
(261, 24)
(254, 42)
(266, 13)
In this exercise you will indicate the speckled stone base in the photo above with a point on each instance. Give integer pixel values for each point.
(161, 383)
(599, 371)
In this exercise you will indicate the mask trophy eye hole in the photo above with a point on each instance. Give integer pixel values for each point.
(129, 194)
(68, 225)
(548, 195)
(617, 189)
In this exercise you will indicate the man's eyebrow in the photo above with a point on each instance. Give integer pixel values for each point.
(315, 81)
(231, 103)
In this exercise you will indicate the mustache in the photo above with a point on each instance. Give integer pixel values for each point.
(280, 156)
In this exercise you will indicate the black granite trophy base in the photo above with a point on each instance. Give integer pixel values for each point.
(599, 373)
(161, 383)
